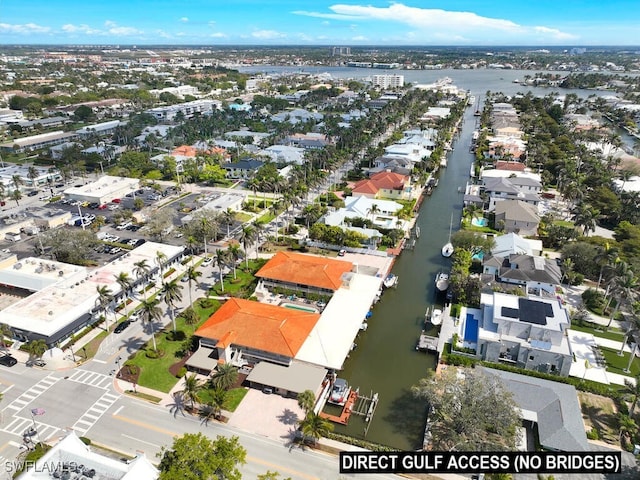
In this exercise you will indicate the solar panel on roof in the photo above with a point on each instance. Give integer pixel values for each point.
(532, 311)
(510, 312)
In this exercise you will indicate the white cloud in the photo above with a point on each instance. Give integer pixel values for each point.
(114, 29)
(219, 35)
(184, 19)
(438, 23)
(23, 29)
(267, 34)
(359, 38)
(85, 29)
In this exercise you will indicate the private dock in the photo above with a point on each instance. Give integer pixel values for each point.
(427, 343)
(347, 410)
(356, 404)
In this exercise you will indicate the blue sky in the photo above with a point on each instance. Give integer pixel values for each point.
(321, 22)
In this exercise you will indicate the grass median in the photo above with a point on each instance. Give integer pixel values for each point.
(153, 366)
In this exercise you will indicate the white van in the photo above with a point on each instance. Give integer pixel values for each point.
(13, 236)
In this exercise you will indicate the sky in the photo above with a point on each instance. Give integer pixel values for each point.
(320, 22)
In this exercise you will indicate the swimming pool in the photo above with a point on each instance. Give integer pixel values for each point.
(299, 307)
(479, 222)
(471, 329)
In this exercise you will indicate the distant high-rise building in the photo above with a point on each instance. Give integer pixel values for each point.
(336, 51)
(388, 81)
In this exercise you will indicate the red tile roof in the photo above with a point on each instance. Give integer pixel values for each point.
(381, 180)
(260, 326)
(511, 166)
(320, 272)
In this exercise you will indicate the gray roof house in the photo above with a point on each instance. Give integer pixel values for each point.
(536, 274)
(553, 406)
(243, 168)
(500, 188)
(517, 216)
(401, 165)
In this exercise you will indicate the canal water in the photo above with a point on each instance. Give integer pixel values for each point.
(385, 360)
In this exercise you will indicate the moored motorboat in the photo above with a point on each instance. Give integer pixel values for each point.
(390, 281)
(442, 281)
(436, 317)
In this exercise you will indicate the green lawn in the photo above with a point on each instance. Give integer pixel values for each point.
(242, 217)
(266, 218)
(154, 372)
(611, 333)
(234, 397)
(617, 364)
(244, 283)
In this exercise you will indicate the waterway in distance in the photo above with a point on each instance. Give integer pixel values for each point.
(385, 360)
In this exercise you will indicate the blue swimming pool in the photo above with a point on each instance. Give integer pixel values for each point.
(471, 329)
(479, 222)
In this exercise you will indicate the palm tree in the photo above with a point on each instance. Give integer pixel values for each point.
(215, 405)
(150, 312)
(105, 297)
(170, 294)
(16, 195)
(32, 174)
(192, 275)
(17, 181)
(161, 259)
(624, 288)
(191, 389)
(258, 228)
(372, 210)
(606, 257)
(627, 426)
(221, 261)
(633, 389)
(125, 282)
(228, 216)
(306, 401)
(234, 253)
(633, 328)
(314, 426)
(254, 185)
(141, 269)
(5, 331)
(247, 237)
(36, 348)
(190, 316)
(225, 376)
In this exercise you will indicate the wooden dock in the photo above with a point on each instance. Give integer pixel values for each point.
(347, 410)
(427, 343)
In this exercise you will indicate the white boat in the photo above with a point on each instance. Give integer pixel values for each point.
(447, 249)
(390, 281)
(340, 392)
(436, 317)
(442, 281)
(417, 232)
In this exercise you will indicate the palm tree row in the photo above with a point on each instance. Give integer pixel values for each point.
(225, 376)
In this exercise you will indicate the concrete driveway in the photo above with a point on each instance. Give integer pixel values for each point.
(269, 415)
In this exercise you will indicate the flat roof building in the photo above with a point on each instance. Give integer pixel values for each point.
(103, 190)
(66, 306)
(35, 142)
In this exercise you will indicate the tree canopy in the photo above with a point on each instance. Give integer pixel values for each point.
(197, 457)
(472, 412)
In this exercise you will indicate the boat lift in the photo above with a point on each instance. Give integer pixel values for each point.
(366, 407)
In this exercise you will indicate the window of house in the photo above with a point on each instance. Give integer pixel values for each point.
(530, 357)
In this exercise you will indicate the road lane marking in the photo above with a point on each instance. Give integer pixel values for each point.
(7, 389)
(281, 468)
(141, 441)
(147, 426)
(118, 410)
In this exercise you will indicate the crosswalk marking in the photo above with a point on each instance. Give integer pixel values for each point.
(34, 392)
(93, 379)
(20, 425)
(93, 414)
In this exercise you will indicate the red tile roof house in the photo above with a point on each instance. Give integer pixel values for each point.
(384, 185)
(306, 273)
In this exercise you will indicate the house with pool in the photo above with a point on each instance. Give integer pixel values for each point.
(283, 344)
(527, 332)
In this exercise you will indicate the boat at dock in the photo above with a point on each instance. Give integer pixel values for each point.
(390, 281)
(417, 232)
(436, 317)
(447, 249)
(340, 392)
(442, 281)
